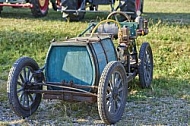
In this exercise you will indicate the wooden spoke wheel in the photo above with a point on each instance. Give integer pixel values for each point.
(21, 79)
(112, 92)
(146, 65)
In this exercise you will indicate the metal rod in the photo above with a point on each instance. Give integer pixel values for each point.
(17, 5)
(61, 92)
(93, 11)
(60, 85)
(74, 85)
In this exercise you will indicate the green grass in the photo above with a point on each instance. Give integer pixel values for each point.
(169, 26)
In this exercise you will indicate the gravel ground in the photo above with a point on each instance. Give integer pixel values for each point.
(152, 111)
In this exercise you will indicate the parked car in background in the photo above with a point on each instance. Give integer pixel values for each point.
(73, 9)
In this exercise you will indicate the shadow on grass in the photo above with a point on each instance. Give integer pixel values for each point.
(161, 87)
(160, 15)
(170, 18)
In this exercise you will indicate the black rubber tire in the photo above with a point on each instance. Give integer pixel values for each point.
(145, 68)
(129, 6)
(23, 103)
(111, 99)
(72, 5)
(54, 6)
(40, 9)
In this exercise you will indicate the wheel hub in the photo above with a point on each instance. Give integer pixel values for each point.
(147, 66)
(115, 93)
(42, 3)
(26, 85)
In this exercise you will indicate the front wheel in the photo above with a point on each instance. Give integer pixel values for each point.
(21, 79)
(112, 92)
(146, 65)
(40, 8)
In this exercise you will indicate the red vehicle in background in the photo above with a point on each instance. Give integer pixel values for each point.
(39, 8)
(73, 9)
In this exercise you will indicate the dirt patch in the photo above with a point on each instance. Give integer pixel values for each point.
(151, 111)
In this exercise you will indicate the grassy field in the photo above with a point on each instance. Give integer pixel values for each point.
(169, 36)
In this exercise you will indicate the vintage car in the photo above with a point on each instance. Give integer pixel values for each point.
(87, 68)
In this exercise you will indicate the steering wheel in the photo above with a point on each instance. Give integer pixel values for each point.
(116, 14)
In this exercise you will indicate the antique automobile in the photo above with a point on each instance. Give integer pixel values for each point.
(87, 68)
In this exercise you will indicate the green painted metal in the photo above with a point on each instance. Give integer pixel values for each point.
(132, 27)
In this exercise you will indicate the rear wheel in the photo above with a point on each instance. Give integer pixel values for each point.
(146, 65)
(40, 8)
(112, 92)
(20, 80)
